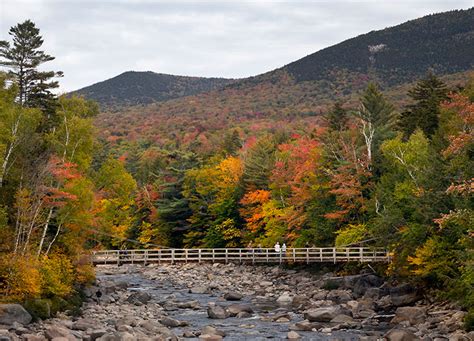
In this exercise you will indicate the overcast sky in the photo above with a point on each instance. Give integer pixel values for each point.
(93, 40)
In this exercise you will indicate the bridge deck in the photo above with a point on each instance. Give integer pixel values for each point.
(292, 255)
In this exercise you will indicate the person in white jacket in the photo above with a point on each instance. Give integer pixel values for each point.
(277, 247)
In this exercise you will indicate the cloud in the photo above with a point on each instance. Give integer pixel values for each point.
(96, 40)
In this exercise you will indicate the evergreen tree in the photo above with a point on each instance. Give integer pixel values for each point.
(424, 113)
(337, 117)
(23, 58)
(258, 164)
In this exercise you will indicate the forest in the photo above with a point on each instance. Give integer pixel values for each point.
(368, 172)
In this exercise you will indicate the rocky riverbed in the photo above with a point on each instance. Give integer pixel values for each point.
(239, 302)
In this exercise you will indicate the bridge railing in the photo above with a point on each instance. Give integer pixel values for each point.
(243, 255)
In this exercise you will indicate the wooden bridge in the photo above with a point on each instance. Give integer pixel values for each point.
(248, 255)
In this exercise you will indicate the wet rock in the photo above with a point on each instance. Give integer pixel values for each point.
(292, 335)
(210, 330)
(170, 322)
(11, 313)
(304, 326)
(325, 314)
(188, 305)
(341, 318)
(413, 315)
(217, 312)
(31, 337)
(209, 337)
(235, 309)
(232, 296)
(139, 298)
(400, 335)
(198, 290)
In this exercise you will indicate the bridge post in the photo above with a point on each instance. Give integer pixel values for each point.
(253, 256)
(361, 254)
(321, 254)
(226, 257)
(334, 254)
(307, 256)
(294, 255)
(145, 257)
(213, 256)
(266, 250)
(199, 256)
(172, 256)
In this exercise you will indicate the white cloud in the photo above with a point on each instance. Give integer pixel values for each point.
(96, 40)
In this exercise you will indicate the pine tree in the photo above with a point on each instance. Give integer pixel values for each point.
(424, 113)
(337, 117)
(23, 58)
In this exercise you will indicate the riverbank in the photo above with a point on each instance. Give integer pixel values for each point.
(239, 302)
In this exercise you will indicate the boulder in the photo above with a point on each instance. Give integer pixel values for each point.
(84, 324)
(305, 326)
(292, 335)
(342, 319)
(235, 309)
(232, 296)
(413, 315)
(170, 322)
(400, 335)
(11, 313)
(31, 337)
(403, 295)
(210, 337)
(325, 314)
(139, 298)
(188, 305)
(217, 312)
(198, 290)
(285, 299)
(55, 331)
(339, 296)
(212, 331)
(363, 283)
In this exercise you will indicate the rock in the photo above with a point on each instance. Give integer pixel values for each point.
(212, 331)
(304, 326)
(188, 305)
(243, 315)
(413, 315)
(364, 283)
(292, 335)
(232, 296)
(11, 313)
(342, 319)
(325, 314)
(266, 284)
(459, 336)
(170, 322)
(235, 309)
(403, 295)
(31, 337)
(139, 298)
(164, 333)
(198, 290)
(320, 295)
(84, 324)
(117, 336)
(299, 302)
(339, 296)
(95, 334)
(285, 299)
(400, 335)
(209, 337)
(217, 312)
(55, 331)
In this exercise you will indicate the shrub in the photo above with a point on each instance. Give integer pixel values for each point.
(57, 276)
(85, 273)
(469, 320)
(40, 309)
(19, 278)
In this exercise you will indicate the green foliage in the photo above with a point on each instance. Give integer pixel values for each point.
(424, 113)
(39, 309)
(351, 234)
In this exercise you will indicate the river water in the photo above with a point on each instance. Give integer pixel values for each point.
(257, 327)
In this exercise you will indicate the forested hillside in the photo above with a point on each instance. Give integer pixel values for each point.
(133, 88)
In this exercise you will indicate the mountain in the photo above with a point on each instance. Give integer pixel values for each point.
(135, 88)
(293, 96)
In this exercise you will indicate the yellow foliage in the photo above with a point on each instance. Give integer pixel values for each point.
(19, 278)
(57, 275)
(85, 273)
